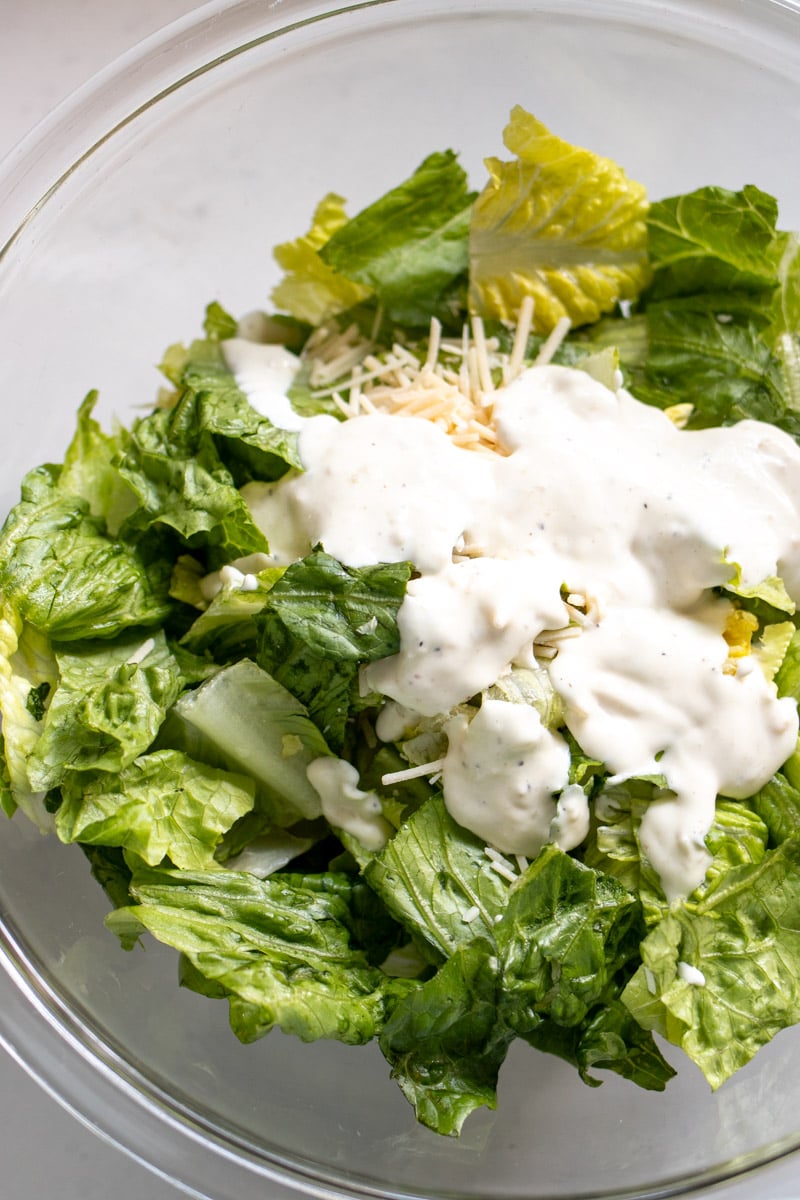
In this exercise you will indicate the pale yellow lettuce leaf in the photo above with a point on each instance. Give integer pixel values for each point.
(560, 224)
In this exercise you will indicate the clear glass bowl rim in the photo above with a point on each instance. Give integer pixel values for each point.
(49, 1038)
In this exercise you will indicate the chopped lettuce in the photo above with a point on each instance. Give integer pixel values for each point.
(410, 247)
(312, 290)
(279, 950)
(444, 1042)
(107, 706)
(161, 805)
(744, 942)
(65, 575)
(320, 622)
(244, 720)
(434, 875)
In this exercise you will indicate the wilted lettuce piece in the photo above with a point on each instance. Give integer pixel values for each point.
(321, 620)
(432, 877)
(281, 951)
(312, 290)
(714, 240)
(410, 246)
(162, 805)
(245, 719)
(107, 707)
(608, 1039)
(90, 469)
(745, 941)
(64, 575)
(566, 931)
(26, 663)
(173, 466)
(559, 224)
(444, 1042)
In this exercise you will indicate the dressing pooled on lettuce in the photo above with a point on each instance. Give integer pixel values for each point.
(425, 668)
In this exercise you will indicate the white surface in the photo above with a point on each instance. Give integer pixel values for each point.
(49, 48)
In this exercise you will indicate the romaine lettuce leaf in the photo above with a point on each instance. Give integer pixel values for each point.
(250, 446)
(245, 720)
(321, 620)
(778, 806)
(63, 574)
(227, 629)
(432, 877)
(714, 240)
(559, 224)
(106, 708)
(745, 940)
(565, 933)
(312, 290)
(410, 247)
(90, 469)
(26, 665)
(173, 465)
(444, 1042)
(162, 805)
(609, 1039)
(280, 950)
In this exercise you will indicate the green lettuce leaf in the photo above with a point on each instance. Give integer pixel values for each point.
(559, 224)
(162, 805)
(281, 951)
(321, 620)
(745, 940)
(444, 1042)
(173, 466)
(565, 933)
(726, 368)
(777, 804)
(90, 469)
(608, 1039)
(250, 446)
(433, 875)
(410, 247)
(227, 629)
(27, 665)
(787, 677)
(312, 290)
(714, 240)
(106, 709)
(245, 720)
(64, 575)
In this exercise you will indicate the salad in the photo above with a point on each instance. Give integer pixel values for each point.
(425, 666)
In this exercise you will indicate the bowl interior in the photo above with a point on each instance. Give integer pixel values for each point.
(270, 109)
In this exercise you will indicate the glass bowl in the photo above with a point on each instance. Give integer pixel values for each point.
(165, 183)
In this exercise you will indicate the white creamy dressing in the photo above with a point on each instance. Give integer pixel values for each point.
(345, 805)
(265, 374)
(604, 497)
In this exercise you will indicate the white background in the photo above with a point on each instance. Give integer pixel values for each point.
(50, 47)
